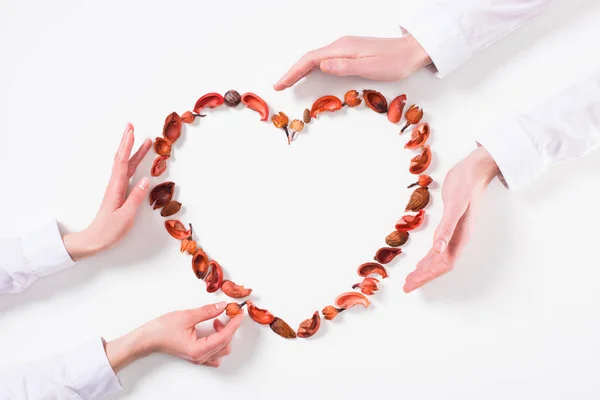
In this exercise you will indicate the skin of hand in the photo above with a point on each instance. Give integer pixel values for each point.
(463, 189)
(175, 334)
(381, 59)
(117, 211)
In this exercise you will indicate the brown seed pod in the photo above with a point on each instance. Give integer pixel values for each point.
(418, 200)
(200, 264)
(172, 127)
(310, 326)
(162, 194)
(232, 98)
(375, 101)
(171, 208)
(396, 238)
(281, 328)
(306, 117)
(386, 254)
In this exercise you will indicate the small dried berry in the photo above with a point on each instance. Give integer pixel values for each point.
(232, 98)
(306, 117)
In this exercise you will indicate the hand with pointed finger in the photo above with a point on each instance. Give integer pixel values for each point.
(389, 59)
(463, 189)
(117, 211)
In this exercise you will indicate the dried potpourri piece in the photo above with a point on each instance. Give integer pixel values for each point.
(171, 208)
(396, 109)
(368, 286)
(209, 100)
(172, 127)
(257, 104)
(281, 328)
(296, 126)
(159, 166)
(420, 163)
(162, 194)
(232, 98)
(369, 268)
(280, 120)
(188, 117)
(351, 98)
(325, 103)
(410, 222)
(330, 312)
(375, 101)
(424, 181)
(234, 309)
(418, 137)
(259, 315)
(351, 299)
(177, 230)
(162, 146)
(200, 263)
(310, 326)
(413, 116)
(214, 278)
(306, 116)
(386, 254)
(396, 239)
(418, 200)
(234, 291)
(188, 245)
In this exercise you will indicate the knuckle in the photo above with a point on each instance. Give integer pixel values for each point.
(227, 350)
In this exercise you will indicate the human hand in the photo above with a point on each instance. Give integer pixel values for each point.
(175, 334)
(372, 58)
(463, 188)
(117, 213)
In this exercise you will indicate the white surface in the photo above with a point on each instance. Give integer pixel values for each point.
(518, 316)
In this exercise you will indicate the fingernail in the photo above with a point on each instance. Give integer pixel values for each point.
(440, 246)
(327, 65)
(144, 183)
(220, 306)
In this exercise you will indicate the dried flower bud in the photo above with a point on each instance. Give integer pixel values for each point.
(306, 117)
(188, 117)
(189, 246)
(413, 116)
(330, 312)
(171, 208)
(351, 98)
(418, 200)
(280, 119)
(234, 309)
(396, 239)
(424, 180)
(368, 286)
(297, 125)
(162, 146)
(232, 98)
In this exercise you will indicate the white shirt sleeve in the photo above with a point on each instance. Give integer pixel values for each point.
(452, 31)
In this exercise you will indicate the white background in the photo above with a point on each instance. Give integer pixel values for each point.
(516, 319)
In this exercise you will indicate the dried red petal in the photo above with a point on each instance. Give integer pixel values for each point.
(330, 312)
(234, 309)
(386, 254)
(410, 222)
(188, 117)
(325, 103)
(310, 326)
(281, 328)
(209, 100)
(375, 101)
(351, 98)
(162, 194)
(369, 268)
(177, 230)
(368, 286)
(418, 137)
(257, 104)
(159, 166)
(396, 109)
(172, 127)
(200, 264)
(351, 299)
(420, 163)
(259, 315)
(162, 146)
(234, 291)
(214, 278)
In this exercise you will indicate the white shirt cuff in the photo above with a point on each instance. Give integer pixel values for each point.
(45, 251)
(440, 36)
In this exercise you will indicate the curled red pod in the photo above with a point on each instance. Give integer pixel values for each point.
(386, 254)
(159, 166)
(259, 315)
(418, 136)
(368, 286)
(375, 101)
(209, 100)
(309, 326)
(330, 312)
(162, 194)
(325, 103)
(257, 104)
(234, 291)
(410, 222)
(396, 109)
(420, 163)
(177, 229)
(369, 268)
(172, 127)
(351, 299)
(200, 263)
(214, 278)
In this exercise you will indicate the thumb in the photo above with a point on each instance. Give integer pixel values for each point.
(445, 230)
(209, 311)
(137, 195)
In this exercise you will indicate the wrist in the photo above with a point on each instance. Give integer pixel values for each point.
(418, 53)
(484, 164)
(80, 245)
(128, 348)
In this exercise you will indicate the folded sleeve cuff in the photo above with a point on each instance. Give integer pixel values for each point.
(440, 36)
(45, 251)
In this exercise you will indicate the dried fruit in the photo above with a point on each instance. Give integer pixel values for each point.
(214, 278)
(325, 103)
(368, 286)
(200, 263)
(306, 116)
(413, 116)
(386, 254)
(209, 100)
(234, 291)
(172, 127)
(281, 328)
(280, 120)
(296, 126)
(189, 245)
(162, 194)
(159, 165)
(418, 200)
(396, 238)
(351, 299)
(310, 326)
(375, 101)
(232, 98)
(330, 312)
(420, 163)
(351, 98)
(234, 309)
(424, 181)
(396, 108)
(410, 222)
(177, 230)
(418, 137)
(188, 117)
(257, 104)
(369, 268)
(171, 208)
(259, 315)
(162, 146)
